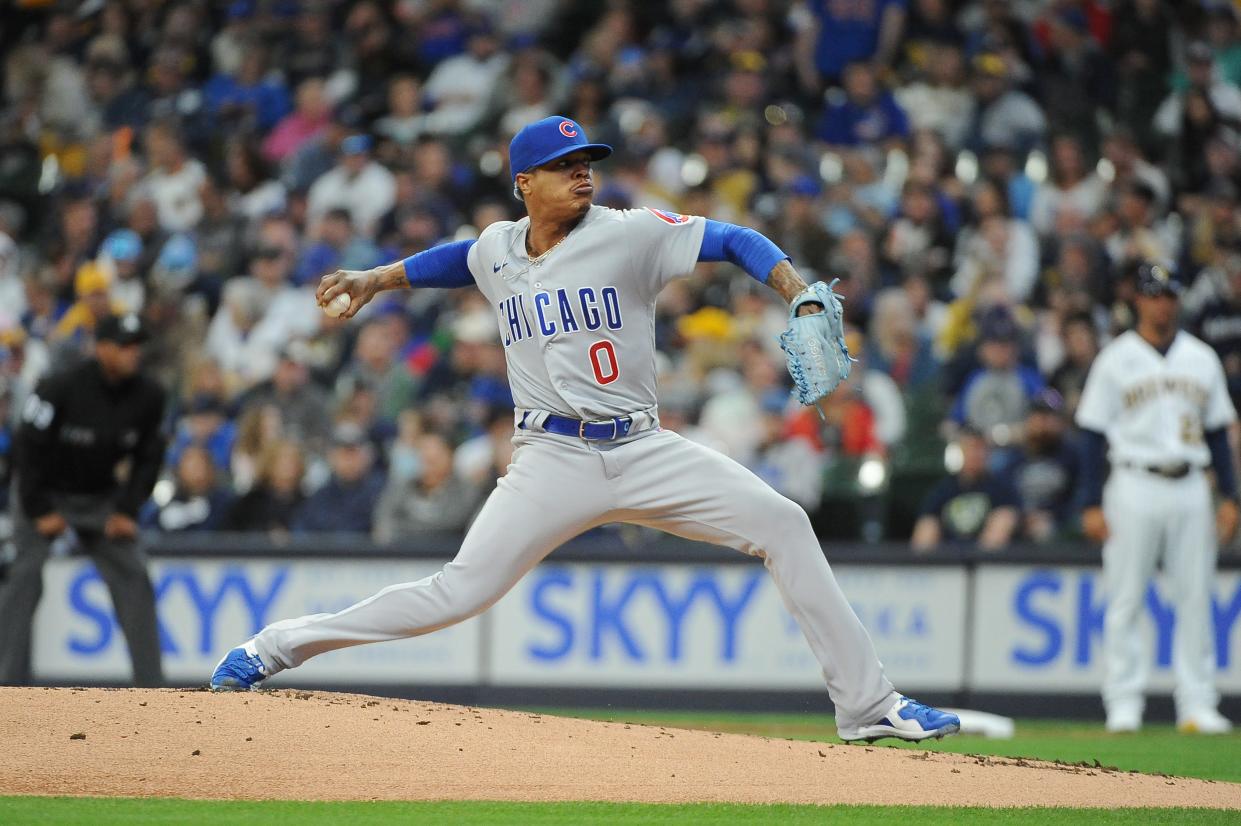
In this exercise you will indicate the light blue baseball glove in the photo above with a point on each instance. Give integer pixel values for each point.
(814, 344)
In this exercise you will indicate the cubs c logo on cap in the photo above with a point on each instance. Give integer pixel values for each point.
(546, 140)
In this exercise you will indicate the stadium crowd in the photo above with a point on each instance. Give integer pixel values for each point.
(982, 177)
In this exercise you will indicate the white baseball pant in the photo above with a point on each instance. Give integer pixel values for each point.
(1149, 517)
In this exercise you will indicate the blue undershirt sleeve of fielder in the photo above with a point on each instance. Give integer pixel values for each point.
(750, 250)
(442, 266)
(1221, 461)
(1094, 457)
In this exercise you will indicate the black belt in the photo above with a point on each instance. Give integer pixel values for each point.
(604, 430)
(1177, 471)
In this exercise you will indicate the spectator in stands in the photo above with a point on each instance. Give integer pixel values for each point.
(260, 313)
(310, 117)
(1075, 80)
(376, 364)
(198, 502)
(1081, 345)
(996, 396)
(1141, 50)
(459, 89)
(791, 463)
(1129, 164)
(1047, 471)
(939, 99)
(175, 178)
(304, 407)
(831, 36)
(972, 507)
(405, 121)
(345, 503)
(1139, 235)
(206, 425)
(1216, 94)
(867, 114)
(436, 500)
(357, 184)
(995, 246)
(76, 328)
(1005, 116)
(897, 347)
(250, 99)
(1073, 193)
(1218, 323)
(120, 254)
(803, 237)
(276, 497)
(257, 427)
(917, 239)
(338, 247)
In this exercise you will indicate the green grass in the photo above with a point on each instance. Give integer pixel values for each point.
(87, 811)
(1157, 749)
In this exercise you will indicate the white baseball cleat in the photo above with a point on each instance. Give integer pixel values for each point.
(1124, 721)
(1204, 721)
(906, 720)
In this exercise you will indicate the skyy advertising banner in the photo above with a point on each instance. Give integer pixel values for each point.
(615, 625)
(206, 606)
(1040, 629)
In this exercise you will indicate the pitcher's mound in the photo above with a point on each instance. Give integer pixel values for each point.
(293, 745)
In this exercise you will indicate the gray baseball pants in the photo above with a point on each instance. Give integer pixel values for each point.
(557, 488)
(121, 563)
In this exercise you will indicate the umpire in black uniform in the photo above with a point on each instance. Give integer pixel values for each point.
(88, 452)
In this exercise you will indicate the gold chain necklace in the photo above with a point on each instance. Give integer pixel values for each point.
(537, 260)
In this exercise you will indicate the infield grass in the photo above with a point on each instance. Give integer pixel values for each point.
(94, 811)
(1157, 749)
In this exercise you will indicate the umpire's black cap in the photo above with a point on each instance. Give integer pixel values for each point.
(1155, 280)
(123, 329)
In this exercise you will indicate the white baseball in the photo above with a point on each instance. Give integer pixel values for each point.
(338, 305)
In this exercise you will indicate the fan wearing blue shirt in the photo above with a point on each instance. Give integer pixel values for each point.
(866, 114)
(849, 31)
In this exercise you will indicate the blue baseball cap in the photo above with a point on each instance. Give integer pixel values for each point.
(123, 245)
(355, 145)
(546, 140)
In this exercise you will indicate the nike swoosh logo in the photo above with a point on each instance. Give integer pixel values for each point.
(498, 267)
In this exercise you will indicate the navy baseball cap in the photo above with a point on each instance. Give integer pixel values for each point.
(546, 140)
(1154, 280)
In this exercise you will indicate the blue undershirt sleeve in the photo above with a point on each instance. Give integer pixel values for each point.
(443, 266)
(750, 250)
(1094, 457)
(1221, 461)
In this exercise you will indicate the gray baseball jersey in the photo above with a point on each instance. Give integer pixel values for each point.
(578, 329)
(577, 323)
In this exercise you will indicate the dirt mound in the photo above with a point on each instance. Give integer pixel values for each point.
(295, 745)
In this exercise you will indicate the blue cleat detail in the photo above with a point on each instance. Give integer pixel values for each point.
(240, 670)
(906, 720)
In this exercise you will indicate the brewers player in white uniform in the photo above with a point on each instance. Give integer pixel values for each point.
(573, 287)
(1156, 400)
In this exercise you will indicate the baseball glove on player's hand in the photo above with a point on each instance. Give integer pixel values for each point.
(814, 344)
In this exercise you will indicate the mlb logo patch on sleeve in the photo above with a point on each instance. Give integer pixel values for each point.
(669, 217)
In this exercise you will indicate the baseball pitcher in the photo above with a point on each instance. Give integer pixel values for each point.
(573, 286)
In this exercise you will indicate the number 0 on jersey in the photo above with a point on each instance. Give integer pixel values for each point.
(604, 374)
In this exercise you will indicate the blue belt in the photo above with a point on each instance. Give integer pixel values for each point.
(606, 430)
